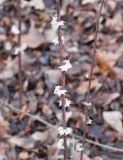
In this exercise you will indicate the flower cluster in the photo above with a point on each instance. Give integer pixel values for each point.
(66, 65)
(55, 23)
(15, 30)
(20, 49)
(65, 131)
(60, 91)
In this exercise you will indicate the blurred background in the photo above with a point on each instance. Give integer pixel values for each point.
(23, 137)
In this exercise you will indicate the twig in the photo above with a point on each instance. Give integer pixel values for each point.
(62, 77)
(91, 73)
(19, 54)
(33, 117)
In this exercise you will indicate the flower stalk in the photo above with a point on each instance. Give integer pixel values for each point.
(19, 54)
(62, 78)
(90, 76)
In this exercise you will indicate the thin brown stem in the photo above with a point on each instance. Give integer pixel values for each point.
(91, 73)
(19, 55)
(62, 78)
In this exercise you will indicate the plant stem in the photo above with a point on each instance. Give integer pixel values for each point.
(19, 55)
(62, 78)
(91, 73)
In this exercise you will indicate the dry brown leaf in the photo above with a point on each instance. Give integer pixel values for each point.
(38, 4)
(3, 130)
(83, 87)
(111, 97)
(115, 23)
(119, 72)
(114, 120)
(40, 136)
(110, 57)
(97, 158)
(53, 76)
(104, 99)
(26, 142)
(104, 66)
(33, 39)
(23, 155)
(46, 110)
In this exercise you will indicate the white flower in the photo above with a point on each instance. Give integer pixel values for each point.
(87, 76)
(60, 144)
(61, 131)
(65, 131)
(88, 104)
(20, 49)
(55, 41)
(79, 147)
(89, 121)
(59, 91)
(15, 30)
(67, 102)
(66, 65)
(55, 24)
(68, 130)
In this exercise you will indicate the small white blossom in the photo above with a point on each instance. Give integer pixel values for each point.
(68, 130)
(20, 49)
(15, 30)
(55, 41)
(61, 131)
(66, 65)
(65, 131)
(55, 24)
(59, 91)
(67, 102)
(87, 76)
(79, 147)
(89, 121)
(88, 104)
(60, 144)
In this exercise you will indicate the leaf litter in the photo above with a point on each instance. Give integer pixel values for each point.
(40, 73)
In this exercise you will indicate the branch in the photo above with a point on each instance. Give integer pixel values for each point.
(33, 117)
(19, 54)
(91, 73)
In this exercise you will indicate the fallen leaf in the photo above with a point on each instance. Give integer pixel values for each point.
(36, 40)
(23, 155)
(26, 142)
(38, 4)
(115, 23)
(104, 99)
(53, 76)
(40, 136)
(89, 1)
(111, 97)
(83, 86)
(114, 120)
(104, 66)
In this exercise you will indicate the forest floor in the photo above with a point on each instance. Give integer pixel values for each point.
(29, 132)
